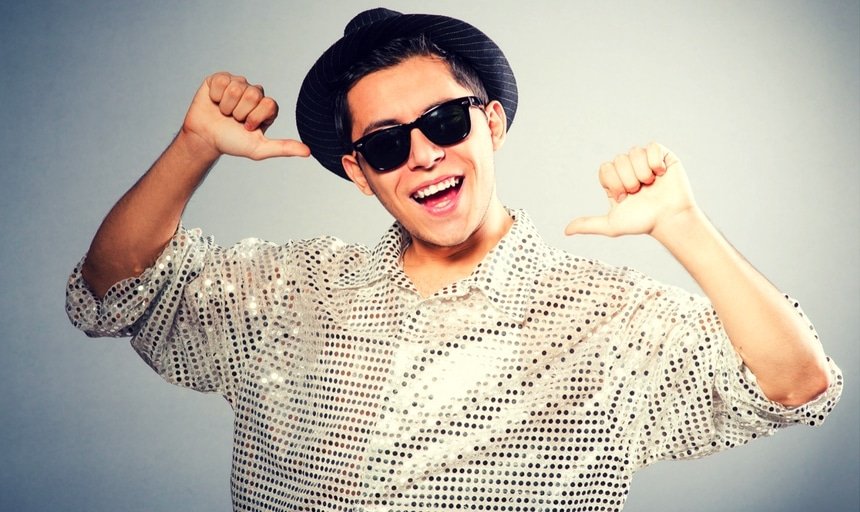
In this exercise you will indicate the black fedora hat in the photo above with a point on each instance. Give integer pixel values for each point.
(372, 29)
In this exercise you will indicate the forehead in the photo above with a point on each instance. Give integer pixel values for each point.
(401, 92)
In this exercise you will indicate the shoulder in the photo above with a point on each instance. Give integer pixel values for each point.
(327, 252)
(569, 277)
(310, 254)
(568, 267)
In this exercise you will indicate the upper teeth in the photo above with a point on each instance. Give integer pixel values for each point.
(436, 187)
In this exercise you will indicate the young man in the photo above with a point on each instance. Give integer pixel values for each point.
(461, 363)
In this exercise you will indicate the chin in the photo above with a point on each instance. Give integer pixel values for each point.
(439, 241)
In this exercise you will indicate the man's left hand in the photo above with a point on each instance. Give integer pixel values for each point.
(646, 188)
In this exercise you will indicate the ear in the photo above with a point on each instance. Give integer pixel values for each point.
(353, 170)
(498, 123)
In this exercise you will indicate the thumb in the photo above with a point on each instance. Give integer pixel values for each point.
(270, 148)
(669, 158)
(597, 225)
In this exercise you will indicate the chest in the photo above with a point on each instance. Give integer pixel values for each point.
(428, 281)
(396, 365)
(376, 391)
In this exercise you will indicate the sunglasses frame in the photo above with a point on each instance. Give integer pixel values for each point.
(465, 102)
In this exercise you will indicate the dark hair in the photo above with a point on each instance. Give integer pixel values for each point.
(391, 54)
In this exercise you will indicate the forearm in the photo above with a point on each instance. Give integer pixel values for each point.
(765, 329)
(142, 222)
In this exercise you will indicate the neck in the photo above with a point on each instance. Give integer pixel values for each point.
(423, 260)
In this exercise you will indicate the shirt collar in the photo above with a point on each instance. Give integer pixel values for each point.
(508, 273)
(384, 260)
(506, 276)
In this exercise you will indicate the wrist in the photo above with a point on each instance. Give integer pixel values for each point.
(682, 228)
(194, 148)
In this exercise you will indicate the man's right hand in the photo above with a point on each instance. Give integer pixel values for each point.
(230, 116)
(227, 116)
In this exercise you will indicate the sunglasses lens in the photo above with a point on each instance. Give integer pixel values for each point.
(387, 149)
(447, 124)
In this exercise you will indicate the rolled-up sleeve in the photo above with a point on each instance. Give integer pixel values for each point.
(700, 398)
(177, 310)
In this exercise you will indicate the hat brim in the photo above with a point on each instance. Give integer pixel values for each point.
(315, 106)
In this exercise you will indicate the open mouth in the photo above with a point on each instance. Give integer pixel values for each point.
(440, 193)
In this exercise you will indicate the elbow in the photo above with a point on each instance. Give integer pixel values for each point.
(100, 278)
(806, 387)
(94, 279)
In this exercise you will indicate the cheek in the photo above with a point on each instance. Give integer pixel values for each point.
(385, 185)
(479, 146)
(484, 154)
(487, 143)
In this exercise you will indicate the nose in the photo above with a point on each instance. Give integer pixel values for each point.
(423, 153)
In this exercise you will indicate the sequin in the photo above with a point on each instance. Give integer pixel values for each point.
(542, 381)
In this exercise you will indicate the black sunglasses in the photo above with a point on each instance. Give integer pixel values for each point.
(444, 124)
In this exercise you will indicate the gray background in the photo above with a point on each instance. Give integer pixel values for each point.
(759, 99)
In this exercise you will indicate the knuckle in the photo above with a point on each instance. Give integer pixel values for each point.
(253, 94)
(269, 105)
(220, 79)
(655, 150)
(644, 171)
(234, 90)
(254, 118)
(606, 169)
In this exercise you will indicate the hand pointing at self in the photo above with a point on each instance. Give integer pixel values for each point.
(230, 116)
(646, 187)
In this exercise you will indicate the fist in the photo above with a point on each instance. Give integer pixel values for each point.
(230, 116)
(628, 173)
(646, 187)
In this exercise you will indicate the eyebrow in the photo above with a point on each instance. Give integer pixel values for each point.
(382, 123)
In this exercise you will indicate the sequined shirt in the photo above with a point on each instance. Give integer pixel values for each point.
(540, 382)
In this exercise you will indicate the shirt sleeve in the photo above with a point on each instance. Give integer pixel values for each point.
(195, 316)
(696, 395)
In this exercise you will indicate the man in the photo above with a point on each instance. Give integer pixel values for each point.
(461, 363)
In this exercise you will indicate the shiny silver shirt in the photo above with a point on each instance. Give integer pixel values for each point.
(541, 382)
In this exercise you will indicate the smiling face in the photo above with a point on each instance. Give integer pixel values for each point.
(443, 195)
